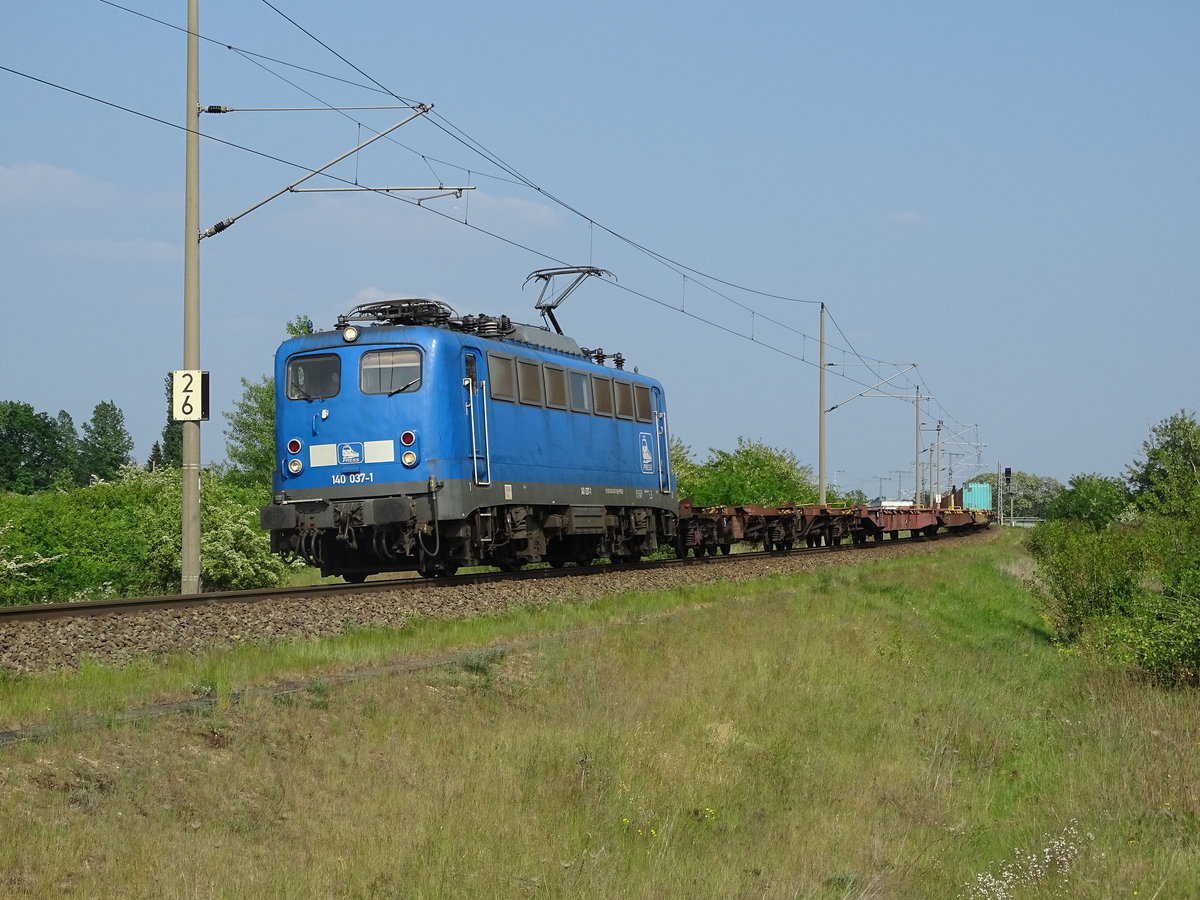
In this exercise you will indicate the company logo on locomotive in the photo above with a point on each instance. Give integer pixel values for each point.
(350, 454)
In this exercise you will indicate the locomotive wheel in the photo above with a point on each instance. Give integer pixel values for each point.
(356, 577)
(434, 567)
(725, 548)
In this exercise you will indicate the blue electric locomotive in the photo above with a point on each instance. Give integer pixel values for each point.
(410, 438)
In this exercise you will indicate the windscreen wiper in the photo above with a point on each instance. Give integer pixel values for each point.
(401, 390)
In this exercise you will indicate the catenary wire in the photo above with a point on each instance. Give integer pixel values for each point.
(477, 147)
(462, 137)
(458, 134)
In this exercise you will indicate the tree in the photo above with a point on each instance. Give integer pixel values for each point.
(250, 437)
(34, 448)
(1026, 495)
(67, 467)
(856, 497)
(1095, 500)
(752, 475)
(1167, 478)
(155, 460)
(685, 469)
(172, 433)
(106, 443)
(24, 447)
(1132, 592)
(299, 326)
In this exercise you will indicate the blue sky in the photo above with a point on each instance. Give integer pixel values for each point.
(1005, 195)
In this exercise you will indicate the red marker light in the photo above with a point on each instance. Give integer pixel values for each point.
(294, 445)
(408, 439)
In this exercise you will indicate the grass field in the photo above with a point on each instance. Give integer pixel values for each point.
(892, 729)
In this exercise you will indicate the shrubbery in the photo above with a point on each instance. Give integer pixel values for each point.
(1087, 575)
(123, 539)
(752, 475)
(1120, 568)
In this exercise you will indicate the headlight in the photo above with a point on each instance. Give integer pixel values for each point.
(350, 334)
(295, 466)
(408, 458)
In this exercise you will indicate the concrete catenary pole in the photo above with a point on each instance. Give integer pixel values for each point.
(190, 561)
(917, 463)
(821, 420)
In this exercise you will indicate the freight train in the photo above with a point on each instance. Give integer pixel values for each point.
(411, 438)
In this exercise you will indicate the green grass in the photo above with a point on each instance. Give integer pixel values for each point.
(899, 729)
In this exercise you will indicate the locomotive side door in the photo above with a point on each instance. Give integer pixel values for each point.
(662, 440)
(475, 402)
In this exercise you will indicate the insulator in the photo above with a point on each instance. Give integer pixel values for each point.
(619, 361)
(216, 109)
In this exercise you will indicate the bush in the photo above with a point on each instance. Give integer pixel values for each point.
(1132, 592)
(1086, 575)
(753, 474)
(1160, 636)
(1093, 500)
(124, 539)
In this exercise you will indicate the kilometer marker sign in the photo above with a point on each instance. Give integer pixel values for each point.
(189, 395)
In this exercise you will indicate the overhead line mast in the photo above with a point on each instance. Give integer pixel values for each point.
(190, 462)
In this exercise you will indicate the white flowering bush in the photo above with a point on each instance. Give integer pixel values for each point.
(235, 553)
(13, 565)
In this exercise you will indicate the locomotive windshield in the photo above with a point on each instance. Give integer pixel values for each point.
(394, 371)
(314, 377)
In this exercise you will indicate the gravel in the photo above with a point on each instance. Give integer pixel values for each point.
(62, 643)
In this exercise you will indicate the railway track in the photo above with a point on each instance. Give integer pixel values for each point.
(120, 632)
(133, 605)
